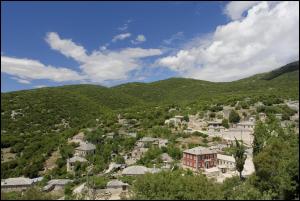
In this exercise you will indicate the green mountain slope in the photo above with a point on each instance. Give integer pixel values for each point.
(41, 109)
(176, 90)
(294, 66)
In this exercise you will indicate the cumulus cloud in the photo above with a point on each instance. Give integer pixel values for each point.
(67, 47)
(101, 66)
(115, 65)
(139, 39)
(28, 69)
(235, 9)
(105, 64)
(266, 38)
(121, 37)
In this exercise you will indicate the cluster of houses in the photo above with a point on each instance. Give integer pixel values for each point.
(23, 183)
(84, 149)
(209, 160)
(142, 146)
(216, 125)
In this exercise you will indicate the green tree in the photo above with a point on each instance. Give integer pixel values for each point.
(225, 123)
(119, 159)
(212, 115)
(176, 185)
(239, 156)
(186, 118)
(234, 117)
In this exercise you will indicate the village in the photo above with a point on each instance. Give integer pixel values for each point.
(205, 141)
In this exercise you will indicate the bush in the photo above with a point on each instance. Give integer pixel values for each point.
(225, 123)
(212, 115)
(98, 182)
(119, 159)
(217, 139)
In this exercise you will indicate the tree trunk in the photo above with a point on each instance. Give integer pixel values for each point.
(240, 175)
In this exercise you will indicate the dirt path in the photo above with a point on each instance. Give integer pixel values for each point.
(50, 162)
(6, 155)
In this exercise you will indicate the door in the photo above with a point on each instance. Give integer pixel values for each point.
(206, 165)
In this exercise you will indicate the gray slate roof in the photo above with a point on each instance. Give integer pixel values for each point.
(17, 181)
(59, 181)
(77, 158)
(86, 147)
(200, 151)
(135, 170)
(115, 183)
(166, 157)
(148, 139)
(225, 158)
(54, 182)
(246, 123)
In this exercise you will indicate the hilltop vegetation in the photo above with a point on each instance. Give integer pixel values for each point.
(285, 69)
(182, 90)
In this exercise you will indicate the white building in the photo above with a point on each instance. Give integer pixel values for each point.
(226, 163)
(246, 125)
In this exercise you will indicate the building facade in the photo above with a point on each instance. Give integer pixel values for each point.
(199, 158)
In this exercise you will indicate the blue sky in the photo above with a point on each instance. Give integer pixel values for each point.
(108, 43)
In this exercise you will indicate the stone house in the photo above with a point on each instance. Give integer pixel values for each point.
(16, 184)
(72, 161)
(85, 149)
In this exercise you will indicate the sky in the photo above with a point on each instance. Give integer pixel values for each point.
(47, 44)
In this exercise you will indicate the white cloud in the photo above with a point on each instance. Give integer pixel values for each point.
(27, 69)
(125, 26)
(67, 47)
(235, 9)
(121, 37)
(105, 64)
(40, 86)
(101, 66)
(174, 37)
(266, 38)
(21, 80)
(115, 65)
(139, 39)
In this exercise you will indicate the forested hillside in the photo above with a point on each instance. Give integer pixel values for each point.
(52, 109)
(35, 122)
(182, 90)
